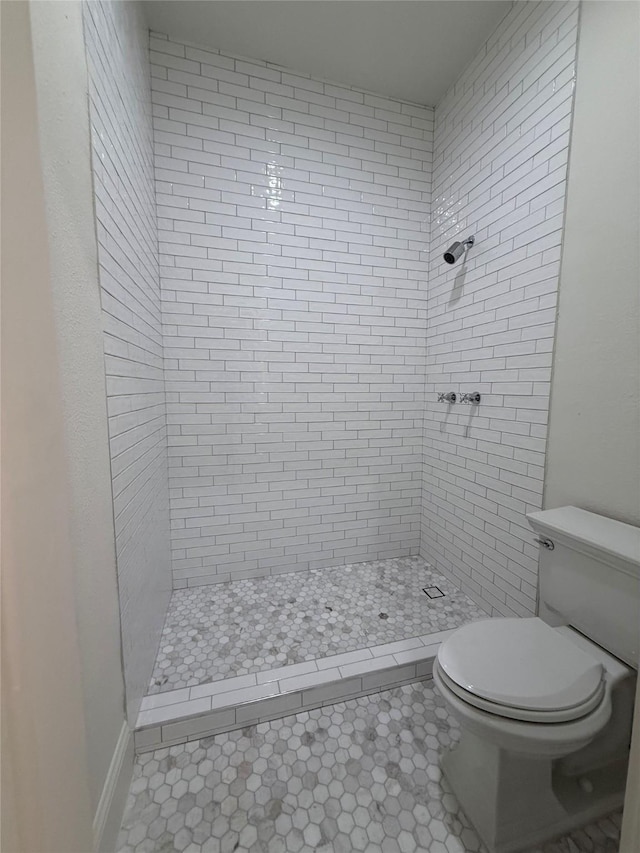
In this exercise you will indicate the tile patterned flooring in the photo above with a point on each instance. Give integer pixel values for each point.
(247, 626)
(361, 775)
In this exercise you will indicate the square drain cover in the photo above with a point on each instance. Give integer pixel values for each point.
(433, 591)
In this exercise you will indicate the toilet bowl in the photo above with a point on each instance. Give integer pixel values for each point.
(526, 695)
(540, 717)
(545, 705)
(526, 686)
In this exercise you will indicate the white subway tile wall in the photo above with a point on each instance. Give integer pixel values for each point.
(293, 233)
(501, 147)
(122, 139)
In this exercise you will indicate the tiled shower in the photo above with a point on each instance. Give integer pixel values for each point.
(279, 322)
(122, 149)
(501, 146)
(293, 222)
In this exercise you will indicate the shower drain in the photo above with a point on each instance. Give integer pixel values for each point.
(433, 592)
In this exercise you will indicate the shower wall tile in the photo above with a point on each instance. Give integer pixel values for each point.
(122, 141)
(293, 230)
(500, 159)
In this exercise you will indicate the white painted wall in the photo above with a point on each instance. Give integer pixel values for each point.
(117, 53)
(46, 802)
(593, 459)
(61, 76)
(594, 431)
(293, 221)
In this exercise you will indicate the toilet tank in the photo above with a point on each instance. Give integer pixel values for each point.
(590, 577)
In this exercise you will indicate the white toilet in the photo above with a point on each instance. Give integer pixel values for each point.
(545, 703)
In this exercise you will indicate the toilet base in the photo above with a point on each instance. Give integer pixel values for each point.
(516, 801)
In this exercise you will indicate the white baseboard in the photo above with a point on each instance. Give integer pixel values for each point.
(108, 816)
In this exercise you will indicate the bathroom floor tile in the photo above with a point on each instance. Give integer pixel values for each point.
(357, 775)
(229, 629)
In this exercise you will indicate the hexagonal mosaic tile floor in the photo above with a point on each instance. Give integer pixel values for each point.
(245, 626)
(361, 775)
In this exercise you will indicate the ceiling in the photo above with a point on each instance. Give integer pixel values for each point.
(407, 49)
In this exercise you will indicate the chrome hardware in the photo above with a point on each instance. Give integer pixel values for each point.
(457, 249)
(472, 397)
(546, 543)
(450, 397)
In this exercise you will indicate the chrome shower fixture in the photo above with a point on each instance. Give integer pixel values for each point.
(455, 250)
(472, 397)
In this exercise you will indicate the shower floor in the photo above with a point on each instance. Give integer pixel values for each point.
(247, 626)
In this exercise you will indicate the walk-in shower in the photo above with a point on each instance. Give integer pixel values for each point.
(277, 322)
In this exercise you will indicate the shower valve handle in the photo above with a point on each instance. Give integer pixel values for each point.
(449, 397)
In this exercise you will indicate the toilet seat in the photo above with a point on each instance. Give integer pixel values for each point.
(521, 669)
(524, 714)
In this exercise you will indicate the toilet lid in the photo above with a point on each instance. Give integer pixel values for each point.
(520, 663)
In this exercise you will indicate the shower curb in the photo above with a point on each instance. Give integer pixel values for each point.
(178, 716)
